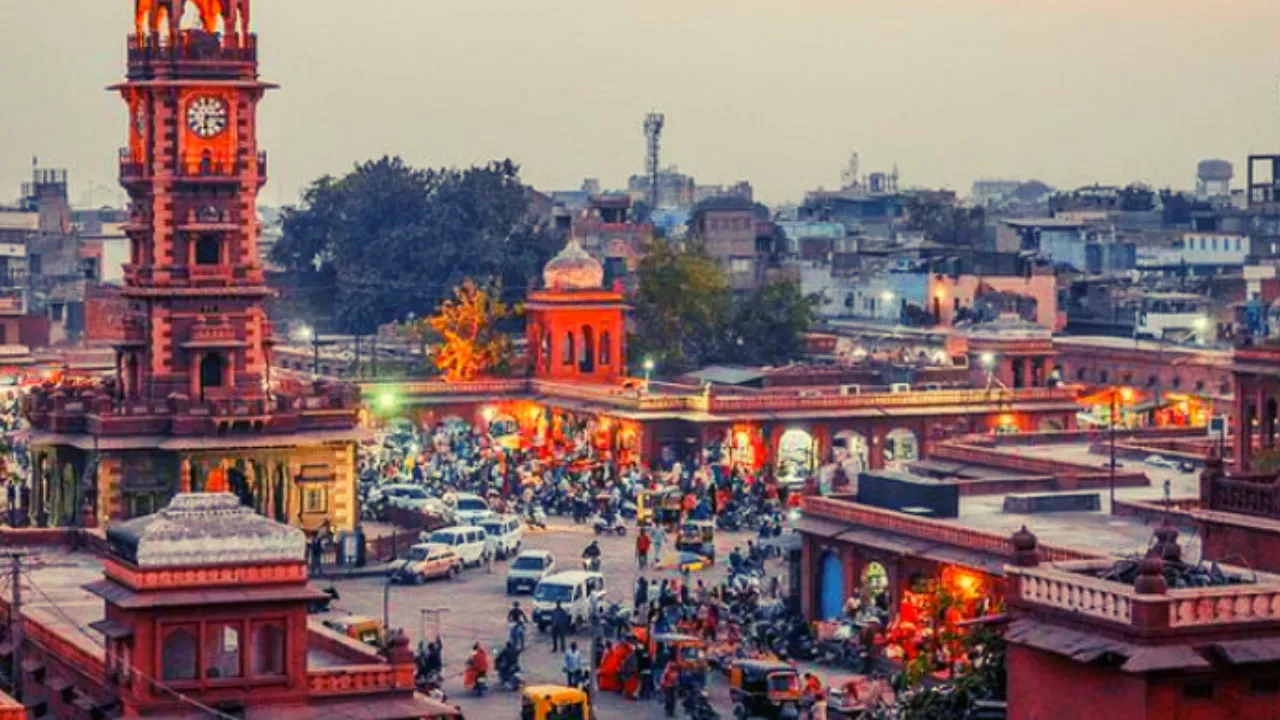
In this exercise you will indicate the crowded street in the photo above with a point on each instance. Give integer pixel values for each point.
(475, 607)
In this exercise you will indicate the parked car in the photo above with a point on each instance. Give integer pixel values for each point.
(506, 532)
(1161, 462)
(471, 509)
(404, 496)
(426, 561)
(528, 570)
(470, 543)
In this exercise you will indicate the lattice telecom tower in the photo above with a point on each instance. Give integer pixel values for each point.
(653, 123)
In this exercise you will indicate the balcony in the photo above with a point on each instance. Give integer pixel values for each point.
(199, 53)
(222, 169)
(209, 275)
(132, 168)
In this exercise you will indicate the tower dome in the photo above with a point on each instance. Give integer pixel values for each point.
(573, 269)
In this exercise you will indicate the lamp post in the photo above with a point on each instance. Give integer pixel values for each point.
(648, 369)
(988, 360)
(1113, 452)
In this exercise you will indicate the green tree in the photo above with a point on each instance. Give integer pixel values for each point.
(682, 307)
(769, 325)
(388, 239)
(946, 223)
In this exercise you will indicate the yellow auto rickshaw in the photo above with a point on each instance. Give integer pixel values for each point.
(666, 506)
(365, 629)
(698, 536)
(554, 702)
(689, 653)
(644, 508)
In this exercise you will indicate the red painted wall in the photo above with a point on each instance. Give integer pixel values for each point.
(1044, 686)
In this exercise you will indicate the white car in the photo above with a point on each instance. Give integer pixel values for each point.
(528, 570)
(470, 543)
(1161, 462)
(506, 533)
(405, 496)
(471, 509)
(574, 590)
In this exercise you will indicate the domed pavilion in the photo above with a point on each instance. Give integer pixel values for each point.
(576, 327)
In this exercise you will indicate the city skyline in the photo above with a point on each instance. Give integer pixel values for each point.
(1070, 93)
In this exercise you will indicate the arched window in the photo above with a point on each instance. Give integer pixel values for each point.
(222, 650)
(178, 655)
(568, 355)
(587, 363)
(211, 371)
(606, 345)
(1177, 382)
(208, 250)
(268, 649)
(1080, 373)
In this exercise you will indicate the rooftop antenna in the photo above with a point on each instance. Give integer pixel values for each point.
(849, 177)
(653, 124)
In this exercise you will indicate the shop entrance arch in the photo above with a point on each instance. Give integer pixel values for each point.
(796, 450)
(901, 446)
(831, 600)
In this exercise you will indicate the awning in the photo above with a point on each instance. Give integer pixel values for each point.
(122, 596)
(1091, 647)
(111, 630)
(1245, 652)
(817, 527)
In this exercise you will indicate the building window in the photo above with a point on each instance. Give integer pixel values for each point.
(268, 649)
(211, 371)
(178, 655)
(55, 311)
(1198, 690)
(208, 250)
(606, 343)
(222, 650)
(315, 500)
(1102, 377)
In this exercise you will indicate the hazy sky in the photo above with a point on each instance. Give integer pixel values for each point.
(775, 91)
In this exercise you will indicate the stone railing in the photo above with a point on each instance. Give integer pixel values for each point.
(1075, 593)
(939, 531)
(436, 388)
(1063, 587)
(620, 397)
(835, 401)
(1246, 496)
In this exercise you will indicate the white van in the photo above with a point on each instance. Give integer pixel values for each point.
(573, 590)
(470, 543)
(506, 534)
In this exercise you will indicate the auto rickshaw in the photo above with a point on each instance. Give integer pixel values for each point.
(764, 688)
(698, 536)
(666, 506)
(686, 651)
(554, 702)
(644, 508)
(365, 629)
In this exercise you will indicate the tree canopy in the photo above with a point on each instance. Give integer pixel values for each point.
(946, 223)
(388, 239)
(470, 343)
(686, 314)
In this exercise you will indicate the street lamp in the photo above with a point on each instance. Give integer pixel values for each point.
(988, 361)
(648, 369)
(1127, 395)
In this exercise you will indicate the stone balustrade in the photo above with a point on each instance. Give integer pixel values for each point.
(1065, 587)
(1075, 593)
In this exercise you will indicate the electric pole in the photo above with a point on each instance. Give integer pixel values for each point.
(15, 619)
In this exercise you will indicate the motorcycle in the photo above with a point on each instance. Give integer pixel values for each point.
(591, 564)
(615, 620)
(511, 677)
(611, 526)
(697, 706)
(536, 518)
(515, 635)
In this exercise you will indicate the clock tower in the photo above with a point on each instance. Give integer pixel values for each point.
(192, 168)
(192, 405)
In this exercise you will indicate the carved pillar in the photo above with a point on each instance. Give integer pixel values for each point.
(1244, 423)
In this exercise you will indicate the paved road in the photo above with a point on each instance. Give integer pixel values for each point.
(478, 603)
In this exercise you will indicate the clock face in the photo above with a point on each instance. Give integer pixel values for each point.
(207, 116)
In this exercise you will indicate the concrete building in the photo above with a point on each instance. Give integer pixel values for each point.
(729, 229)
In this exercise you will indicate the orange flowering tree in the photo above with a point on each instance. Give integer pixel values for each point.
(470, 344)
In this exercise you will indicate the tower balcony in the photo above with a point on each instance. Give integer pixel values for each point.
(132, 168)
(210, 274)
(197, 53)
(222, 169)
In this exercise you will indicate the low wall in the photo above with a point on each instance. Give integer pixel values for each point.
(1068, 476)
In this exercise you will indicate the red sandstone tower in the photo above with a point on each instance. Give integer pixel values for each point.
(192, 406)
(193, 170)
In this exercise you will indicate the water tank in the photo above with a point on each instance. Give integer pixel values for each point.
(1214, 170)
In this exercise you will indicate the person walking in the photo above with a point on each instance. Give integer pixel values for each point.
(641, 594)
(642, 549)
(818, 711)
(559, 627)
(572, 665)
(659, 536)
